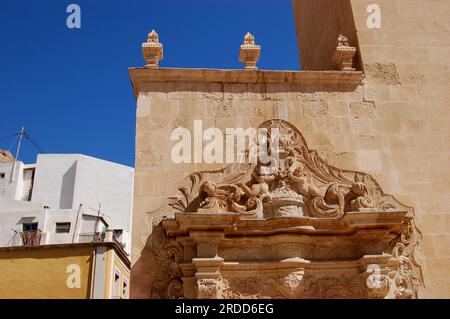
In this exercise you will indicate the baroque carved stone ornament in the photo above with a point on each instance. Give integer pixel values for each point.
(250, 52)
(289, 227)
(152, 50)
(344, 53)
(299, 184)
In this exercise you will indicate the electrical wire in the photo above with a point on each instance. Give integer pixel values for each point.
(27, 136)
(13, 143)
(97, 211)
(33, 142)
(6, 137)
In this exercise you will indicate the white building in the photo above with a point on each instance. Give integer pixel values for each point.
(64, 199)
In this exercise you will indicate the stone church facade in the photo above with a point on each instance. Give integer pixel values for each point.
(356, 204)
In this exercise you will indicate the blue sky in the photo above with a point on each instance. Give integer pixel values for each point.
(70, 87)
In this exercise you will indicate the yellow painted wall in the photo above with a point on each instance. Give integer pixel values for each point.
(124, 274)
(109, 273)
(42, 273)
(113, 262)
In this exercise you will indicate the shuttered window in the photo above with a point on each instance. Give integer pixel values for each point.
(63, 227)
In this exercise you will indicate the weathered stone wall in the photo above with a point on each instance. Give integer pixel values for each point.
(395, 125)
(333, 118)
(329, 18)
(400, 128)
(160, 110)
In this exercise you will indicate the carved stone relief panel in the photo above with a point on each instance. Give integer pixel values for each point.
(296, 227)
(294, 285)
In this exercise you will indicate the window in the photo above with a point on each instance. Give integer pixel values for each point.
(125, 288)
(30, 226)
(116, 284)
(62, 228)
(118, 234)
(2, 175)
(27, 188)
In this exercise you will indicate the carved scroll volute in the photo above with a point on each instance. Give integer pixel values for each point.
(401, 278)
(407, 275)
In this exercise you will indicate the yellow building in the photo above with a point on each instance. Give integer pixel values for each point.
(68, 271)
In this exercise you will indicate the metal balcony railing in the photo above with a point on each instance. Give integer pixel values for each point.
(98, 237)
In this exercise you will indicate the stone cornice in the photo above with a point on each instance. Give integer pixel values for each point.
(230, 224)
(139, 76)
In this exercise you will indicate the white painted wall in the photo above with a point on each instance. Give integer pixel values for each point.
(53, 216)
(66, 181)
(63, 182)
(54, 180)
(12, 216)
(89, 225)
(107, 184)
(11, 189)
(14, 213)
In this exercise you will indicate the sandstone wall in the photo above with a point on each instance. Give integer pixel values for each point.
(318, 23)
(333, 118)
(400, 128)
(394, 125)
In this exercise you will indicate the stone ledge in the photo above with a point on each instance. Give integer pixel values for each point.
(140, 76)
(276, 266)
(231, 224)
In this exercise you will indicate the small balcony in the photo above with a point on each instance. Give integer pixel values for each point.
(31, 237)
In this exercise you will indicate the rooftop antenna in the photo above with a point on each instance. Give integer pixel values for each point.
(21, 135)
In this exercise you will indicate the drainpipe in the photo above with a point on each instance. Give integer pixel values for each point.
(94, 261)
(76, 223)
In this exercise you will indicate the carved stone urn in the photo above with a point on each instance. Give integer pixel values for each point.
(249, 52)
(152, 50)
(344, 53)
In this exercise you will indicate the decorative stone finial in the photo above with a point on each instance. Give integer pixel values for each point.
(249, 38)
(342, 41)
(343, 56)
(249, 53)
(152, 50)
